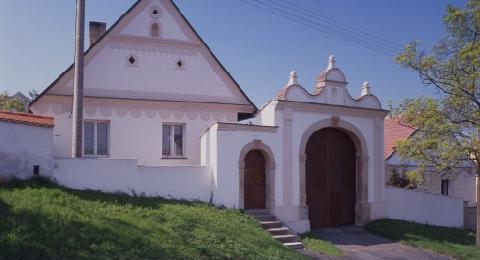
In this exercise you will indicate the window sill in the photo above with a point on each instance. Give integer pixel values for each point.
(96, 156)
(173, 158)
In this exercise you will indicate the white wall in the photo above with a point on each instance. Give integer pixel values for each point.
(136, 126)
(423, 207)
(124, 175)
(22, 146)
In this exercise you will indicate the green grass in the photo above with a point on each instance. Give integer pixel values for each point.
(458, 243)
(315, 244)
(40, 220)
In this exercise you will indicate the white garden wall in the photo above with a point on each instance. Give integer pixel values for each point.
(22, 146)
(423, 207)
(124, 175)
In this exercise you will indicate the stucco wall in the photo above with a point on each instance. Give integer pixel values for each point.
(423, 207)
(124, 175)
(136, 126)
(462, 180)
(227, 181)
(22, 146)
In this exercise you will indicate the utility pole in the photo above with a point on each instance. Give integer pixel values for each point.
(77, 109)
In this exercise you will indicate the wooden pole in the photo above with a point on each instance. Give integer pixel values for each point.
(77, 109)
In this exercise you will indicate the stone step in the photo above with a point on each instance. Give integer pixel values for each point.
(271, 224)
(265, 217)
(286, 238)
(278, 231)
(294, 245)
(256, 212)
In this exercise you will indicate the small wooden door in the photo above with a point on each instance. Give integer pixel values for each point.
(254, 181)
(330, 179)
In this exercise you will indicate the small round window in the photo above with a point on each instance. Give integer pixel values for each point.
(155, 12)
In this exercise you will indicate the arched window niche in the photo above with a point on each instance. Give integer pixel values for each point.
(155, 30)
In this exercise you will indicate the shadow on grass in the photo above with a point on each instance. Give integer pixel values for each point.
(398, 230)
(40, 219)
(29, 234)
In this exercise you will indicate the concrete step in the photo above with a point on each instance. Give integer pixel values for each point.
(265, 217)
(294, 245)
(286, 238)
(256, 212)
(271, 224)
(278, 231)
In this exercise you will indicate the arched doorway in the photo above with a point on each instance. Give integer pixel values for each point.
(255, 191)
(330, 175)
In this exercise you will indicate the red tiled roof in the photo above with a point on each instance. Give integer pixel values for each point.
(394, 131)
(24, 118)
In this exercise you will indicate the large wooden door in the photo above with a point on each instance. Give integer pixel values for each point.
(330, 179)
(254, 181)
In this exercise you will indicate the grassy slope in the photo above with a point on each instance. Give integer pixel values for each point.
(41, 220)
(449, 241)
(316, 244)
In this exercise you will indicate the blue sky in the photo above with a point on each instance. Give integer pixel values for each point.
(258, 48)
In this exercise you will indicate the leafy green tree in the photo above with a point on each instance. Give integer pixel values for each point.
(448, 125)
(10, 104)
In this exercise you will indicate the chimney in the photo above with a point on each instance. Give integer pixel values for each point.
(97, 29)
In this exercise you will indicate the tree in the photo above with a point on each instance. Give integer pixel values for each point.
(33, 94)
(449, 124)
(10, 104)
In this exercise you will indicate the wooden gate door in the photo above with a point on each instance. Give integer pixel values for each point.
(254, 181)
(330, 179)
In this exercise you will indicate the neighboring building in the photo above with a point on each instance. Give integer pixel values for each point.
(17, 102)
(156, 94)
(459, 183)
(26, 145)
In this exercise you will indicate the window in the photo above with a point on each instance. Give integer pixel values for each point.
(180, 64)
(154, 30)
(95, 138)
(131, 60)
(173, 140)
(445, 184)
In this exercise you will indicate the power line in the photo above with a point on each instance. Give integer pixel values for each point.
(335, 32)
(345, 26)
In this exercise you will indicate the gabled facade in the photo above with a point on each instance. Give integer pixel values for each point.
(156, 96)
(148, 73)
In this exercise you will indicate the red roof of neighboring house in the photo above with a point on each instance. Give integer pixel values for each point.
(24, 118)
(394, 131)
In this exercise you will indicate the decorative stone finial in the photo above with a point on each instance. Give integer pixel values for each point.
(365, 88)
(331, 62)
(293, 78)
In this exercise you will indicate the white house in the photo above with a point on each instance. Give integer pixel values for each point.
(162, 116)
(459, 182)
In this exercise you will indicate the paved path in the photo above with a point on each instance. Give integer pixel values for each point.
(359, 244)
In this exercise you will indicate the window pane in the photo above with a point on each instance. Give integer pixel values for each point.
(88, 135)
(178, 139)
(102, 138)
(166, 140)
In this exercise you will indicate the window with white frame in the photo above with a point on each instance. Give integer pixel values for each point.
(173, 140)
(96, 138)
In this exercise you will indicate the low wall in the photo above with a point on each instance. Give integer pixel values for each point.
(24, 146)
(124, 175)
(422, 207)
